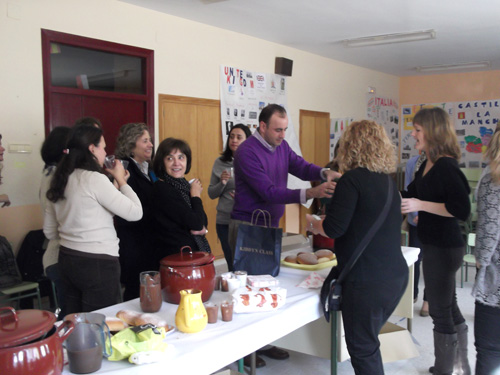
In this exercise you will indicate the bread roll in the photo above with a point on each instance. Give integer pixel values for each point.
(128, 316)
(291, 259)
(133, 318)
(116, 324)
(325, 253)
(307, 258)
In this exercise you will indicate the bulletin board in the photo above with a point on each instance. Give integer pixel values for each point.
(337, 127)
(474, 121)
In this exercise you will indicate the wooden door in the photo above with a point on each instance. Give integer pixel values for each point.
(197, 121)
(315, 146)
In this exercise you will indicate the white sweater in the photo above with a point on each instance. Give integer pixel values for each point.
(84, 218)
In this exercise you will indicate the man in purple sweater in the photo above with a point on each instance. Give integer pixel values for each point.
(261, 167)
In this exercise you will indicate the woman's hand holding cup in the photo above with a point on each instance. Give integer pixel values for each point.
(225, 176)
(196, 188)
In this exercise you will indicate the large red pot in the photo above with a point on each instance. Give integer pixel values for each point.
(187, 270)
(30, 343)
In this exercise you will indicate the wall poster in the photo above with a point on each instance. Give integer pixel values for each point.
(474, 121)
(337, 127)
(243, 94)
(385, 112)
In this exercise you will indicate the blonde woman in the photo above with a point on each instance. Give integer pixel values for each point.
(374, 286)
(440, 194)
(487, 251)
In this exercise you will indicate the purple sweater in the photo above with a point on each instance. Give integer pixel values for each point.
(261, 178)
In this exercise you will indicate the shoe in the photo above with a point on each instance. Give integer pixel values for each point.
(259, 362)
(424, 313)
(274, 353)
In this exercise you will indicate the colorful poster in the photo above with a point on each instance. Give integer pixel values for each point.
(384, 111)
(242, 96)
(474, 122)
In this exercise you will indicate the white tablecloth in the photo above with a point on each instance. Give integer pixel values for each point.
(222, 343)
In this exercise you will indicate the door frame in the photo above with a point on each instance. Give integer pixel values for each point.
(50, 36)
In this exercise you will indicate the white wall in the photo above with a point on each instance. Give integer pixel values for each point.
(187, 60)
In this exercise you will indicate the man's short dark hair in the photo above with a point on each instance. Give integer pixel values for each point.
(269, 110)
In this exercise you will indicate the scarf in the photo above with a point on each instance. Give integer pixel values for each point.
(418, 164)
(183, 187)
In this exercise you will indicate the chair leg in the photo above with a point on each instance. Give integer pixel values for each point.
(462, 276)
(39, 298)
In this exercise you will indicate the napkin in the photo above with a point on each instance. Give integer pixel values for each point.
(313, 281)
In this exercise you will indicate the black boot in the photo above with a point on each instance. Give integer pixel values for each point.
(461, 365)
(445, 351)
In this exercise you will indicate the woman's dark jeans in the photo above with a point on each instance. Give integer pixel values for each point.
(440, 267)
(223, 234)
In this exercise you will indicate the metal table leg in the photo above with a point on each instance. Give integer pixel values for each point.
(333, 356)
(253, 363)
(241, 367)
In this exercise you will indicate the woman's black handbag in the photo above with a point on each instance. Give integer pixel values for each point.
(331, 291)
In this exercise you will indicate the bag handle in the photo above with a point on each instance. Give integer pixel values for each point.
(263, 212)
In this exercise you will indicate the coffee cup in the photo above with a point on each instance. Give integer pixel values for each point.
(232, 285)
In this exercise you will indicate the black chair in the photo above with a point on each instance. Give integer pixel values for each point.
(29, 260)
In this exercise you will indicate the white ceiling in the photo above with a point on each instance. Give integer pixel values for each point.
(467, 31)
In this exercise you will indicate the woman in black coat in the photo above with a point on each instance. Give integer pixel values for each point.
(136, 252)
(180, 219)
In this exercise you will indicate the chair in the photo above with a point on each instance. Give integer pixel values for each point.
(404, 238)
(22, 290)
(469, 258)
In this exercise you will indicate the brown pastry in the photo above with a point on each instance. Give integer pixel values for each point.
(116, 324)
(291, 259)
(325, 253)
(307, 258)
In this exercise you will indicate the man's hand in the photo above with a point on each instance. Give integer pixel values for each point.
(4, 200)
(325, 190)
(331, 175)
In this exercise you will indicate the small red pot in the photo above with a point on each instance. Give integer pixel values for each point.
(187, 270)
(30, 343)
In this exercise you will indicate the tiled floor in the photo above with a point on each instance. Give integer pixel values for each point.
(299, 364)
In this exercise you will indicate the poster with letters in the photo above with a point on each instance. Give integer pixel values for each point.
(243, 94)
(385, 112)
(474, 122)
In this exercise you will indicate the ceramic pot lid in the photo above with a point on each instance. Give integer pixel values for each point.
(23, 326)
(188, 258)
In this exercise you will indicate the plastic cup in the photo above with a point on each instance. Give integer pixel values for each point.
(125, 164)
(226, 309)
(109, 162)
(85, 348)
(150, 294)
(212, 312)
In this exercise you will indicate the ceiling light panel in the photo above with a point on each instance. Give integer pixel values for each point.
(390, 39)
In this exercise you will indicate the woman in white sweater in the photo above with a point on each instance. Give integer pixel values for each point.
(82, 203)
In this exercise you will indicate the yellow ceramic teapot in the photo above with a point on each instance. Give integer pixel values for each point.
(191, 315)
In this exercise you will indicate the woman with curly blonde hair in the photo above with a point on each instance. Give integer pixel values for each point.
(374, 286)
(440, 194)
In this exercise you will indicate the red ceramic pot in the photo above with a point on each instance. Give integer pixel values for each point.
(30, 343)
(187, 270)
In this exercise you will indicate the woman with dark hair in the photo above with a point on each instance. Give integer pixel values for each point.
(222, 187)
(136, 246)
(178, 210)
(375, 284)
(52, 152)
(82, 203)
(440, 195)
